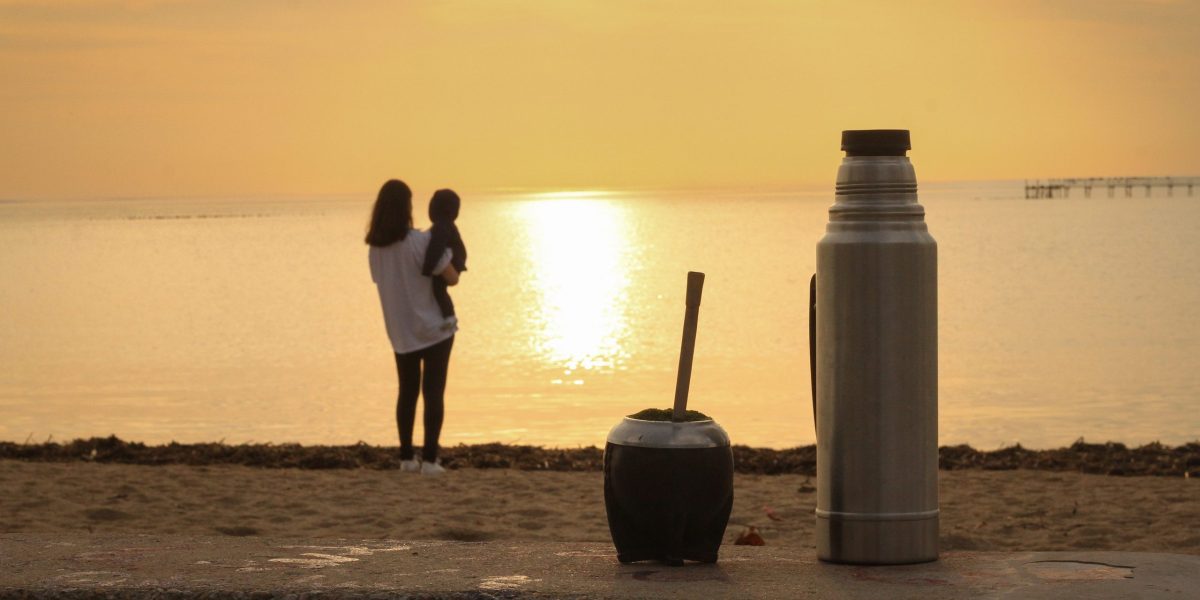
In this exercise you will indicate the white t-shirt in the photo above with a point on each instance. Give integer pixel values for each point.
(410, 312)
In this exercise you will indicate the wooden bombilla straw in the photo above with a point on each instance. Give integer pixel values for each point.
(695, 285)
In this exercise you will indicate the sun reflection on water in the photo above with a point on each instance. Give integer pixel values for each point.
(581, 281)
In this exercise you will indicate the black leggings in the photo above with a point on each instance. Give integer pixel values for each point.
(408, 368)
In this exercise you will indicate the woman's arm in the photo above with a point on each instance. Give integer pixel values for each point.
(450, 274)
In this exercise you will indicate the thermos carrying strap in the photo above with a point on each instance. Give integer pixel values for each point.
(812, 344)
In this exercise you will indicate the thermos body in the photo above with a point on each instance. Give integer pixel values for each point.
(876, 369)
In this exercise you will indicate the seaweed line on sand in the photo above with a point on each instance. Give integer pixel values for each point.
(1110, 458)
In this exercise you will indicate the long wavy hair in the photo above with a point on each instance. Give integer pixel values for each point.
(391, 219)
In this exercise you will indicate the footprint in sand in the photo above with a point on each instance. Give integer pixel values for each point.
(534, 513)
(237, 530)
(106, 514)
(463, 534)
(228, 501)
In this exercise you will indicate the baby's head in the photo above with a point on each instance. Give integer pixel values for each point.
(443, 207)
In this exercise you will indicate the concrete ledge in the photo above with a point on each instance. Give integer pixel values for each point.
(153, 566)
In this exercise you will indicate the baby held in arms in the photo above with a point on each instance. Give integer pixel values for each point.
(443, 210)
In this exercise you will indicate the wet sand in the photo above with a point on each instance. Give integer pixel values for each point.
(981, 510)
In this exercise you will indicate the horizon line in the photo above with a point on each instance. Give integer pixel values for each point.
(549, 192)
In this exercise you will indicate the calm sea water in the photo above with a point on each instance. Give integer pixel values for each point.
(256, 320)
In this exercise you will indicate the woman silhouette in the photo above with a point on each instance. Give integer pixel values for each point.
(415, 325)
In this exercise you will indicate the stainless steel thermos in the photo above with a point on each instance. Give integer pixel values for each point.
(875, 362)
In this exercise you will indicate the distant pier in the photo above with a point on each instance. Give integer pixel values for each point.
(1061, 188)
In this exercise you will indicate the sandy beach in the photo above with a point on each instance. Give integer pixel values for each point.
(981, 510)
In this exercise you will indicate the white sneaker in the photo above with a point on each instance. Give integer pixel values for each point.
(410, 466)
(432, 469)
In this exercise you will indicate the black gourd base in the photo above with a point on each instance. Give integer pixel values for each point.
(667, 504)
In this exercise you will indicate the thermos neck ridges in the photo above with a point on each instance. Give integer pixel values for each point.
(872, 188)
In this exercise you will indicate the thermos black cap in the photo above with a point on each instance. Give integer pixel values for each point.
(876, 142)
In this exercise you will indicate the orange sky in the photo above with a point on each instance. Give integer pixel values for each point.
(127, 98)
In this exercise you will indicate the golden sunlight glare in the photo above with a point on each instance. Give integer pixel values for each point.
(582, 248)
